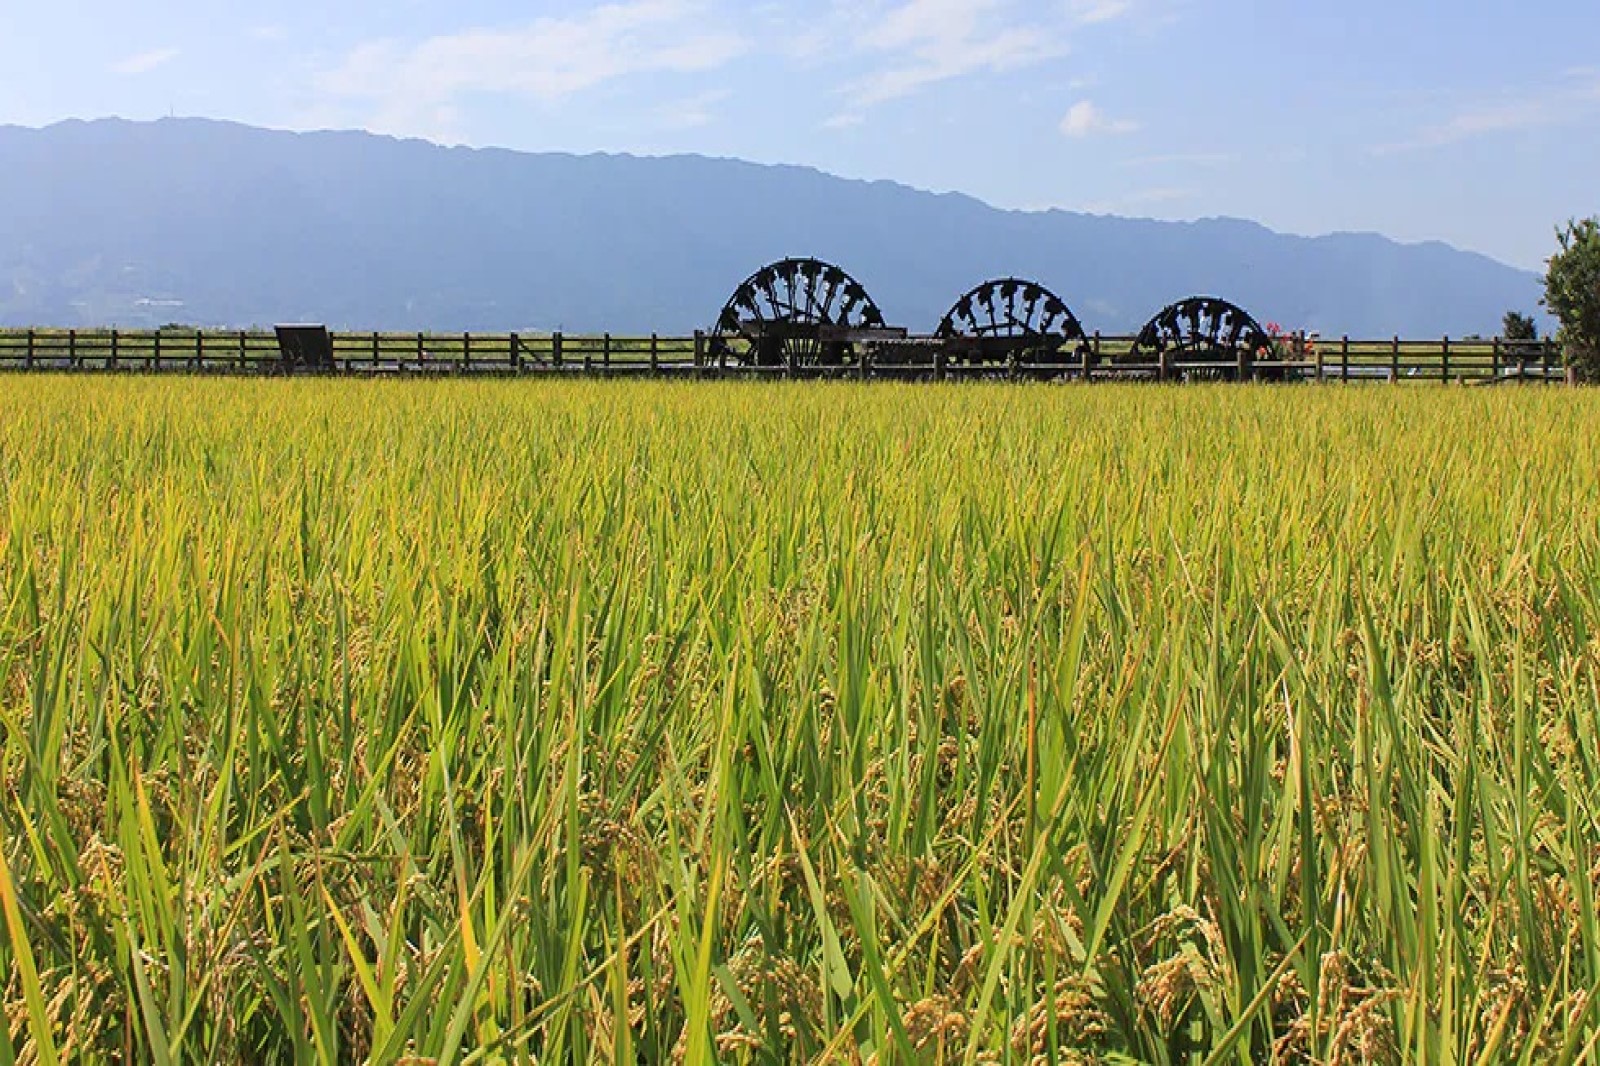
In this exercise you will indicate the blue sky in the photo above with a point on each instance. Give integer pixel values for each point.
(1474, 122)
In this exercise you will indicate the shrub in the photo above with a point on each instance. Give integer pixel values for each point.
(1516, 326)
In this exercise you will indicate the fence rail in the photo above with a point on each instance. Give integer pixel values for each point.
(526, 354)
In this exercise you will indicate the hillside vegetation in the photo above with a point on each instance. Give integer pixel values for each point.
(214, 224)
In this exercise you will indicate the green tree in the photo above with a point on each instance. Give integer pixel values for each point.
(1516, 326)
(1572, 293)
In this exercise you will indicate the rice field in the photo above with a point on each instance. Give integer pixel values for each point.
(624, 722)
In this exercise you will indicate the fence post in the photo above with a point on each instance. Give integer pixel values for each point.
(588, 359)
(156, 354)
(1548, 353)
(422, 351)
(514, 354)
(699, 349)
(72, 348)
(1085, 355)
(1096, 354)
(112, 364)
(1344, 357)
(1245, 368)
(1444, 360)
(938, 364)
(1320, 367)
(605, 351)
(27, 360)
(555, 347)
(1394, 361)
(655, 354)
(1163, 365)
(1494, 360)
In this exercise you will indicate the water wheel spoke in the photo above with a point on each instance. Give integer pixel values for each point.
(788, 304)
(1201, 329)
(1003, 318)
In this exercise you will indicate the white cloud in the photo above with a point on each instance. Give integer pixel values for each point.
(693, 112)
(1499, 119)
(1576, 99)
(1141, 199)
(1182, 159)
(1093, 12)
(864, 53)
(145, 62)
(546, 60)
(1084, 119)
(1164, 195)
(919, 43)
(906, 46)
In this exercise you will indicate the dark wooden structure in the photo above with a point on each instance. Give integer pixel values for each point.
(802, 318)
(1206, 337)
(1100, 357)
(1010, 322)
(798, 314)
(304, 348)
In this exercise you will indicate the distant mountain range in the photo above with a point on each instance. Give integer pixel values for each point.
(217, 224)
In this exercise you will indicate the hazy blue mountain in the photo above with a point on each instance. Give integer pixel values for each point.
(219, 224)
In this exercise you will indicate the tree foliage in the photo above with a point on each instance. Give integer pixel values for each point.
(1516, 326)
(1572, 293)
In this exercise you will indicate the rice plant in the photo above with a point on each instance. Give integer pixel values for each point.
(603, 722)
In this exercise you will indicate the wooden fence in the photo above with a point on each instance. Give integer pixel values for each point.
(1103, 358)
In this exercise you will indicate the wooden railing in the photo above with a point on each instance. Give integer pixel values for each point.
(1102, 358)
